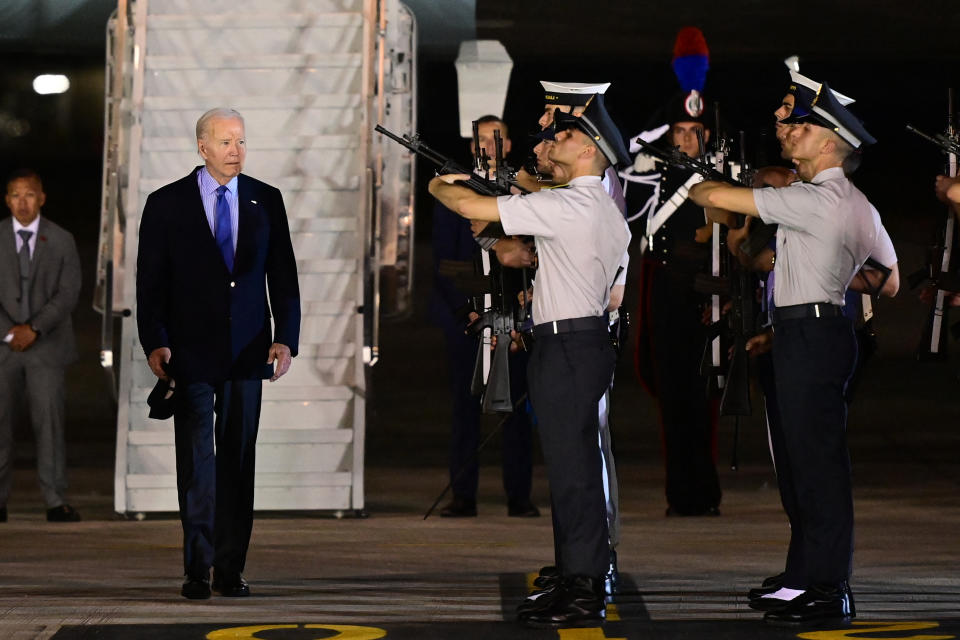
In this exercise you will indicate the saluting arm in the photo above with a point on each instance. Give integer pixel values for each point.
(720, 195)
(464, 201)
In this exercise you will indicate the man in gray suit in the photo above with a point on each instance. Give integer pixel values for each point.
(39, 285)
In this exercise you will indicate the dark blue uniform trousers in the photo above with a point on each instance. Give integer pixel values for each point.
(465, 427)
(567, 375)
(216, 434)
(813, 360)
(781, 459)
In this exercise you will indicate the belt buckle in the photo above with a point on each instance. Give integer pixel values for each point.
(555, 332)
(816, 310)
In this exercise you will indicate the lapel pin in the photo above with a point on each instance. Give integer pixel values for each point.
(253, 202)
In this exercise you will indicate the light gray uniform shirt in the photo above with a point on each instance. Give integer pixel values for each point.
(581, 239)
(828, 229)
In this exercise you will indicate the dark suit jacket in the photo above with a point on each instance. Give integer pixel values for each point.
(452, 240)
(216, 323)
(54, 288)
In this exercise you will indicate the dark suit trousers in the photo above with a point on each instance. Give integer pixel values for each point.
(22, 375)
(465, 428)
(568, 374)
(781, 462)
(216, 434)
(813, 360)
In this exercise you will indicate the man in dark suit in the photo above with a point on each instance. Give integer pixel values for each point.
(210, 244)
(39, 285)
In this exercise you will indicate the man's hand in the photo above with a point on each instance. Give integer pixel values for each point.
(735, 238)
(774, 177)
(943, 185)
(451, 178)
(158, 358)
(527, 181)
(23, 337)
(476, 226)
(760, 343)
(279, 353)
(513, 252)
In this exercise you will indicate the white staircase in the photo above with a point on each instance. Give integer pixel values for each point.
(304, 74)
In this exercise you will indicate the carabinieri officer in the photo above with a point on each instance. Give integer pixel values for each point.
(581, 237)
(827, 231)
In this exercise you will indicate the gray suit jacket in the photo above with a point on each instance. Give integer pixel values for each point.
(54, 289)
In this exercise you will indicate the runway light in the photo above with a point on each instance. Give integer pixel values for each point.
(50, 83)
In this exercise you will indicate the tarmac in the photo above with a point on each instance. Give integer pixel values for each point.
(393, 574)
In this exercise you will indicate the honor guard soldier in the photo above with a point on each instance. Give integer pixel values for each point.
(827, 231)
(581, 237)
(670, 332)
(802, 91)
(571, 98)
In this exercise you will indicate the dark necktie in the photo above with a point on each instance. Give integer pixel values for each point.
(223, 231)
(24, 255)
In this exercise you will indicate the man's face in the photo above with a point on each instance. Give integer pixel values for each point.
(684, 135)
(24, 198)
(487, 143)
(568, 147)
(223, 148)
(542, 152)
(807, 142)
(786, 107)
(783, 130)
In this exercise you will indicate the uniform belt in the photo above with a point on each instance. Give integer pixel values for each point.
(588, 323)
(810, 310)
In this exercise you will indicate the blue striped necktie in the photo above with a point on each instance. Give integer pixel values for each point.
(223, 231)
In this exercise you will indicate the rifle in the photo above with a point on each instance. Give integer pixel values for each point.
(491, 378)
(739, 324)
(940, 275)
(502, 185)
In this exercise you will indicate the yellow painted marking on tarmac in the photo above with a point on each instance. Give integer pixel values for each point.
(592, 633)
(530, 578)
(612, 614)
(350, 632)
(245, 633)
(344, 632)
(877, 627)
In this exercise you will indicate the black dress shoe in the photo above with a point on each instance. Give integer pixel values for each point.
(547, 585)
(63, 513)
(196, 588)
(818, 604)
(768, 604)
(460, 508)
(769, 585)
(522, 509)
(230, 585)
(548, 575)
(578, 602)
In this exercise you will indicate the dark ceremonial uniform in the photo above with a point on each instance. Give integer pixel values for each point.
(671, 338)
(453, 240)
